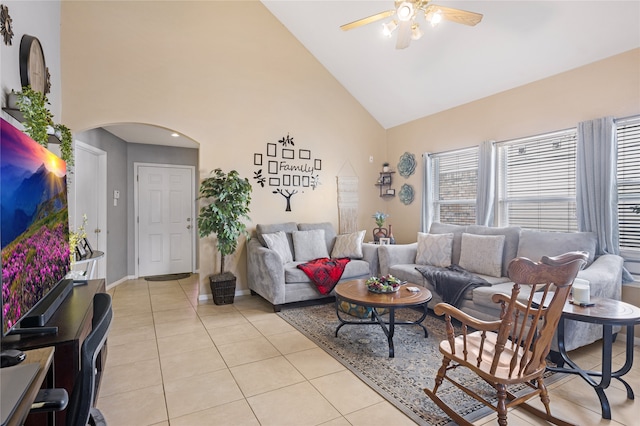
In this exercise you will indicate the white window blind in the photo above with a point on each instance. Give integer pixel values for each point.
(455, 180)
(628, 133)
(537, 182)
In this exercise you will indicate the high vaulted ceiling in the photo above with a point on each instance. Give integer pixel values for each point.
(516, 43)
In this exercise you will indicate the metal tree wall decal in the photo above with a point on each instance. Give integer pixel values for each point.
(286, 169)
(287, 196)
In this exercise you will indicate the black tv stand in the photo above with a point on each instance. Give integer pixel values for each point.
(73, 320)
(47, 306)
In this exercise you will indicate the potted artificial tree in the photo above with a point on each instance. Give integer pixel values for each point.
(227, 197)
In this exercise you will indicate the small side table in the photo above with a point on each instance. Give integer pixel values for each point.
(609, 313)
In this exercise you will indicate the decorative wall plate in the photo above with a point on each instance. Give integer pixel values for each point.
(6, 25)
(406, 194)
(407, 164)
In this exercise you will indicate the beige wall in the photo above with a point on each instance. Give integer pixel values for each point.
(186, 66)
(229, 76)
(608, 87)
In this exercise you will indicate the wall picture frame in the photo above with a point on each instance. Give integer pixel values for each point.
(384, 241)
(87, 247)
(80, 252)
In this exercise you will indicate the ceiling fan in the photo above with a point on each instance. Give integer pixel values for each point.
(405, 22)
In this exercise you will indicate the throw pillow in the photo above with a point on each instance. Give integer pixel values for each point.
(348, 245)
(482, 254)
(309, 245)
(457, 230)
(434, 249)
(279, 243)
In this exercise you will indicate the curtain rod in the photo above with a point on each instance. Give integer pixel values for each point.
(552, 133)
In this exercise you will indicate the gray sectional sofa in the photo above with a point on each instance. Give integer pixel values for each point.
(475, 248)
(273, 274)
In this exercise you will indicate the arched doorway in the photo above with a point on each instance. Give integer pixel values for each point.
(125, 145)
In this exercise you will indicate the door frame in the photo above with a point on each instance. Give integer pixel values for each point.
(136, 200)
(101, 270)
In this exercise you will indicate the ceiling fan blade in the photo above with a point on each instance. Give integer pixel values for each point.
(455, 15)
(404, 35)
(367, 20)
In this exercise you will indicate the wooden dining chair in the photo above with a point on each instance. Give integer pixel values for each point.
(512, 350)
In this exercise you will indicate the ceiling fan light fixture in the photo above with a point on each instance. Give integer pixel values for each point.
(405, 11)
(434, 18)
(389, 27)
(416, 32)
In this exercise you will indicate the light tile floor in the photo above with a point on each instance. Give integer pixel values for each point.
(173, 361)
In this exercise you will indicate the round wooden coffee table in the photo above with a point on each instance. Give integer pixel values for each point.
(356, 292)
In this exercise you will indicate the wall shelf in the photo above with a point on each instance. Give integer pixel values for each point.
(384, 184)
(17, 114)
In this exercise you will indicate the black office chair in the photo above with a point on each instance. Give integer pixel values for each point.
(80, 408)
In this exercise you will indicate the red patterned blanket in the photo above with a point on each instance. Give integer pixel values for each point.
(324, 272)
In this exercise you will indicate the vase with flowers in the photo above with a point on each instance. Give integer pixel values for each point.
(380, 232)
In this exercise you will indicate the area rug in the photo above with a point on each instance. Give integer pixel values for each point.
(364, 350)
(169, 277)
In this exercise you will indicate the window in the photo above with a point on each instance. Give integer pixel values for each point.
(537, 182)
(454, 178)
(628, 132)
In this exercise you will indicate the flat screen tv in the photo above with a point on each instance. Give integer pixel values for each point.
(34, 230)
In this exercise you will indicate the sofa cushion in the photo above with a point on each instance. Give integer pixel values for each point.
(354, 269)
(327, 227)
(535, 244)
(287, 228)
(434, 249)
(279, 243)
(482, 295)
(511, 239)
(457, 230)
(482, 254)
(309, 245)
(407, 272)
(348, 245)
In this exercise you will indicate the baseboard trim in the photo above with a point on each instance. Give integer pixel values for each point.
(120, 281)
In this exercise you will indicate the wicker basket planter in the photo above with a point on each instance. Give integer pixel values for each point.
(223, 288)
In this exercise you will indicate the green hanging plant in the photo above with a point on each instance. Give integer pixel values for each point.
(38, 122)
(66, 143)
(37, 117)
(228, 197)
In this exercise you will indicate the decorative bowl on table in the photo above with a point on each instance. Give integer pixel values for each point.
(383, 284)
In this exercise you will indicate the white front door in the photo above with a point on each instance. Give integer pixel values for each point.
(165, 219)
(90, 183)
